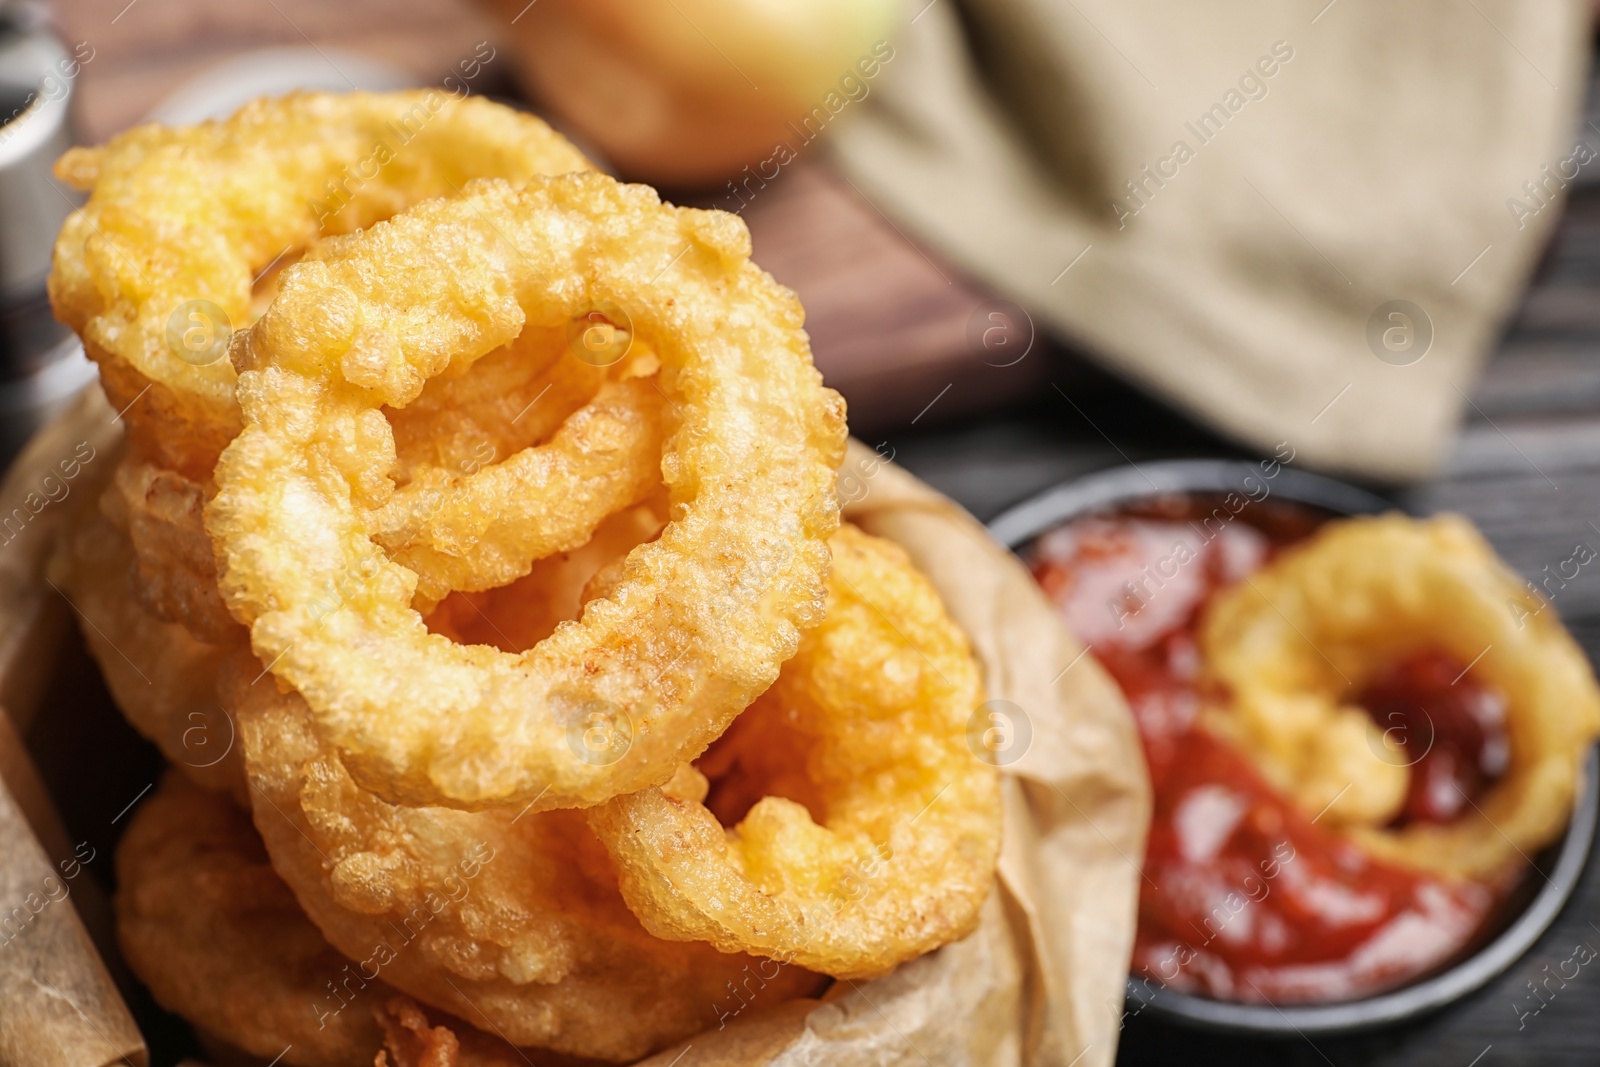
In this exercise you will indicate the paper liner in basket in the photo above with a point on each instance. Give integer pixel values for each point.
(58, 1004)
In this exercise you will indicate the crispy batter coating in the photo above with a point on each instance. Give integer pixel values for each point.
(161, 678)
(509, 915)
(196, 213)
(1295, 644)
(704, 614)
(208, 925)
(176, 574)
(216, 935)
(486, 529)
(520, 395)
(516, 396)
(518, 616)
(867, 828)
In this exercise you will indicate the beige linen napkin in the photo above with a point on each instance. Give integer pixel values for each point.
(1223, 201)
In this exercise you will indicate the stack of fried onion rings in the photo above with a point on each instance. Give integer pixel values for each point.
(458, 569)
(1294, 645)
(181, 235)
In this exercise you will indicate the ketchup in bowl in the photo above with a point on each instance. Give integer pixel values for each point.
(1244, 897)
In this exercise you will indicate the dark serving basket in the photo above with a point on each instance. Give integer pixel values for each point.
(1559, 865)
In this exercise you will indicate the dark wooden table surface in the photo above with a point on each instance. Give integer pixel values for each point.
(1525, 466)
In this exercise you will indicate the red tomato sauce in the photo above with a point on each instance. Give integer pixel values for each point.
(1453, 733)
(1244, 897)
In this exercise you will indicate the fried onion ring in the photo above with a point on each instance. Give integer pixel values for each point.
(506, 915)
(1293, 646)
(875, 833)
(216, 935)
(162, 679)
(178, 215)
(705, 613)
(252, 204)
(208, 925)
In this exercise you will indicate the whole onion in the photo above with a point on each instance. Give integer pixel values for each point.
(687, 92)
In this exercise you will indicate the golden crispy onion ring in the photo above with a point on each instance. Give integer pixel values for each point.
(208, 925)
(1362, 594)
(509, 916)
(706, 612)
(216, 935)
(162, 679)
(178, 215)
(356, 159)
(876, 829)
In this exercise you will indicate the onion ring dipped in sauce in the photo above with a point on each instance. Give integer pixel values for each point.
(1318, 831)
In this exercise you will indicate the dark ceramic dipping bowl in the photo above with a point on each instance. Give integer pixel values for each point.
(1525, 916)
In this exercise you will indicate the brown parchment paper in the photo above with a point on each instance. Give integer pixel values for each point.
(1041, 981)
(58, 1004)
(36, 497)
(34, 616)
